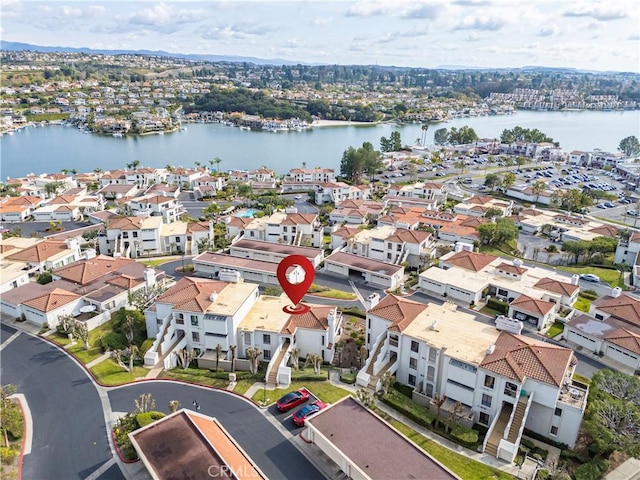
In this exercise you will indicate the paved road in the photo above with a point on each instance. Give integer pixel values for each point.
(266, 445)
(38, 229)
(69, 437)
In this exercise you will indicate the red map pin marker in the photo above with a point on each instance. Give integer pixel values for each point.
(295, 291)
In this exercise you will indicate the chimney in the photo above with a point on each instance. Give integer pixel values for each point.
(491, 348)
(149, 277)
(434, 325)
(372, 301)
(211, 231)
(616, 292)
(575, 279)
(331, 319)
(213, 296)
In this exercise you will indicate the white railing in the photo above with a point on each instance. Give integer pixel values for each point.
(382, 359)
(152, 356)
(273, 363)
(490, 431)
(362, 379)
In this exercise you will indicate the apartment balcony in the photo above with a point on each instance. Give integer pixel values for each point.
(574, 394)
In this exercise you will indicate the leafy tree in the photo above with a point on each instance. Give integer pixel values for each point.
(244, 190)
(386, 145)
(537, 188)
(460, 165)
(10, 415)
(145, 403)
(295, 358)
(355, 162)
(630, 146)
(613, 413)
(463, 135)
(575, 248)
(509, 180)
(519, 134)
(396, 141)
(441, 136)
(174, 405)
(493, 212)
(502, 231)
(492, 181)
(387, 380)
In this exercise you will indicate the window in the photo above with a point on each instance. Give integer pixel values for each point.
(431, 373)
(432, 354)
(429, 390)
(414, 346)
(599, 317)
(510, 389)
(285, 229)
(195, 336)
(486, 400)
(412, 380)
(484, 418)
(413, 363)
(266, 354)
(388, 256)
(178, 239)
(398, 248)
(489, 381)
(135, 234)
(393, 340)
(502, 292)
(266, 339)
(554, 431)
(125, 234)
(558, 412)
(194, 320)
(247, 338)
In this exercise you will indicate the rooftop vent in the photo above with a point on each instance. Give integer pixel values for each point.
(490, 349)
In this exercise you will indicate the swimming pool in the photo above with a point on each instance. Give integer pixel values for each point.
(246, 213)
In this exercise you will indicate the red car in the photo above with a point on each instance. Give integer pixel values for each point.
(292, 399)
(305, 412)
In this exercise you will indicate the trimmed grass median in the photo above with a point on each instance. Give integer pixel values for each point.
(108, 372)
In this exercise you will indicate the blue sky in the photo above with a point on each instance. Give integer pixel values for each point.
(589, 34)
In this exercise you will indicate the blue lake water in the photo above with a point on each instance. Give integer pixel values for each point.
(50, 149)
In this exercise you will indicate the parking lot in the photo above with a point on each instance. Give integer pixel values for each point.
(286, 418)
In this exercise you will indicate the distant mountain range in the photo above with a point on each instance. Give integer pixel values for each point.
(15, 46)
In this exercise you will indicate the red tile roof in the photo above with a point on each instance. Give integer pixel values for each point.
(399, 311)
(192, 294)
(470, 260)
(532, 305)
(626, 339)
(314, 319)
(510, 268)
(555, 286)
(51, 301)
(518, 357)
(39, 252)
(623, 307)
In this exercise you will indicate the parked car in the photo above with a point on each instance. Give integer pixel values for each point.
(590, 277)
(633, 213)
(292, 399)
(298, 197)
(305, 412)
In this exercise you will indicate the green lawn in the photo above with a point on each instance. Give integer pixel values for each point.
(339, 294)
(582, 304)
(61, 340)
(194, 375)
(85, 356)
(110, 373)
(490, 311)
(462, 466)
(556, 329)
(155, 262)
(324, 390)
(611, 276)
(95, 350)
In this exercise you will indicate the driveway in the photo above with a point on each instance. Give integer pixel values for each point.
(69, 433)
(276, 456)
(38, 229)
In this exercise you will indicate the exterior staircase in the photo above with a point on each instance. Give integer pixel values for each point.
(492, 445)
(373, 382)
(374, 357)
(521, 408)
(272, 379)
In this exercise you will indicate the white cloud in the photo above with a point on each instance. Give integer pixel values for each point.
(481, 23)
(548, 30)
(165, 17)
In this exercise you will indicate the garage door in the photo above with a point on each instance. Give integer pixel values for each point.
(622, 356)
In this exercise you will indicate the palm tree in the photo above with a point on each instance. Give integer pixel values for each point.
(233, 349)
(424, 129)
(295, 358)
(97, 170)
(461, 165)
(218, 351)
(64, 171)
(217, 161)
(169, 168)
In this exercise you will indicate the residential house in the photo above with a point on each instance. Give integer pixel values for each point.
(157, 205)
(610, 329)
(339, 192)
(470, 371)
(46, 254)
(356, 212)
(478, 205)
(185, 177)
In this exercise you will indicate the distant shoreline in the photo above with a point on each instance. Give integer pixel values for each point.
(339, 123)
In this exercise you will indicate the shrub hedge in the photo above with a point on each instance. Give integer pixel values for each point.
(464, 436)
(593, 470)
(498, 305)
(145, 418)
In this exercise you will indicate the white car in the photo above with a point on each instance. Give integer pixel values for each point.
(298, 197)
(590, 277)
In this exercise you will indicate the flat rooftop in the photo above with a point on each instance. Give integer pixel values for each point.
(277, 248)
(374, 446)
(364, 264)
(229, 261)
(266, 314)
(459, 333)
(188, 445)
